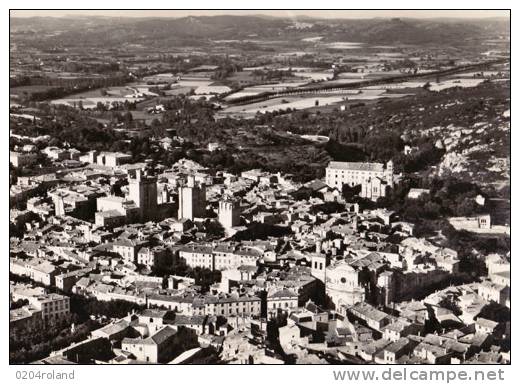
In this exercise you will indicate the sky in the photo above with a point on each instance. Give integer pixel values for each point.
(347, 14)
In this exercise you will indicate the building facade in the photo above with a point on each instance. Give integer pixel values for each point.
(340, 173)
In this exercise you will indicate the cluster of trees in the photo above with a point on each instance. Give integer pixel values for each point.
(465, 242)
(447, 197)
(18, 304)
(185, 339)
(83, 307)
(86, 67)
(66, 124)
(261, 231)
(377, 129)
(60, 87)
(225, 70)
(18, 81)
(308, 60)
(213, 229)
(328, 208)
(115, 108)
(26, 347)
(272, 74)
(426, 155)
(204, 277)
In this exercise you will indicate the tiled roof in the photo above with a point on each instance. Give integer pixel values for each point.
(348, 166)
(283, 293)
(163, 335)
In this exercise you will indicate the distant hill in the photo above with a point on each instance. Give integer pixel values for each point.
(201, 30)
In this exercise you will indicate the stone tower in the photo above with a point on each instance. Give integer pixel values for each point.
(192, 200)
(385, 282)
(59, 206)
(229, 213)
(319, 266)
(389, 173)
(143, 191)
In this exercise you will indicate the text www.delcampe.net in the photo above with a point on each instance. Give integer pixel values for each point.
(404, 374)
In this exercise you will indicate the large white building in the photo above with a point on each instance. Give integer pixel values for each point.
(222, 257)
(109, 159)
(374, 178)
